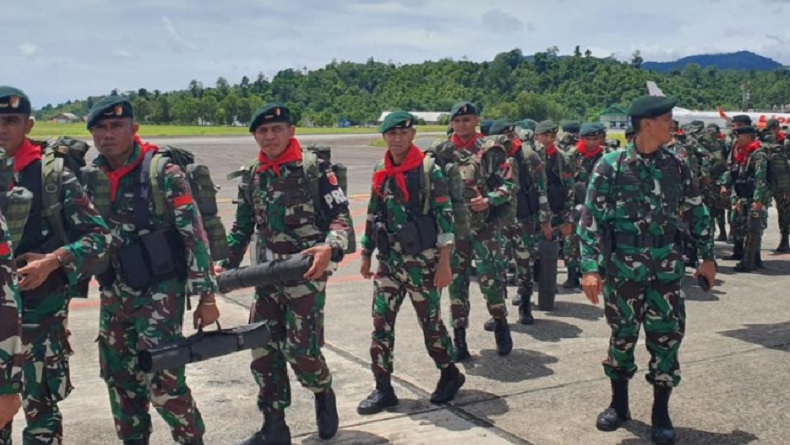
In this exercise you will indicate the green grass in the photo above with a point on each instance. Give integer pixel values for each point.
(47, 129)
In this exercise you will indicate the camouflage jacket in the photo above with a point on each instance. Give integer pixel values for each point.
(502, 194)
(11, 356)
(532, 176)
(584, 166)
(757, 168)
(187, 222)
(562, 168)
(283, 214)
(641, 195)
(690, 151)
(88, 234)
(393, 207)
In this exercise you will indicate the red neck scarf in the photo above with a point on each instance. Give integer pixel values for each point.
(582, 149)
(413, 160)
(742, 153)
(551, 151)
(25, 155)
(780, 137)
(515, 146)
(291, 154)
(468, 145)
(115, 176)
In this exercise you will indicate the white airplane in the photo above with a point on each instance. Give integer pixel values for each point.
(720, 117)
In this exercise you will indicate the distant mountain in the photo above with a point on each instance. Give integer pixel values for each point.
(741, 61)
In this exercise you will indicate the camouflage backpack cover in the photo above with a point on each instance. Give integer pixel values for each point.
(310, 156)
(778, 173)
(496, 151)
(443, 154)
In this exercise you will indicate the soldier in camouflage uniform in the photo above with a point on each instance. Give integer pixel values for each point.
(587, 153)
(627, 236)
(732, 145)
(276, 203)
(482, 245)
(533, 211)
(414, 249)
(142, 308)
(779, 180)
(11, 356)
(747, 182)
(717, 158)
(567, 140)
(53, 268)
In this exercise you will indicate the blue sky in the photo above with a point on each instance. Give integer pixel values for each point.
(60, 50)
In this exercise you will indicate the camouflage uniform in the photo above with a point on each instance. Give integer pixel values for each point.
(283, 217)
(711, 194)
(399, 273)
(11, 355)
(482, 245)
(44, 313)
(779, 182)
(133, 320)
(633, 201)
(584, 169)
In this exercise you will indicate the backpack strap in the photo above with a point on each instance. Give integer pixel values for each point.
(142, 216)
(156, 179)
(313, 175)
(427, 168)
(245, 174)
(52, 177)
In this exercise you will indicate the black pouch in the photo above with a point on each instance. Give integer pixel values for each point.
(429, 236)
(409, 237)
(381, 238)
(134, 267)
(556, 196)
(160, 257)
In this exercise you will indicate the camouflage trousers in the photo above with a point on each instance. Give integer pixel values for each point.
(483, 247)
(520, 242)
(121, 336)
(653, 300)
(295, 313)
(46, 369)
(571, 252)
(396, 276)
(783, 209)
(740, 219)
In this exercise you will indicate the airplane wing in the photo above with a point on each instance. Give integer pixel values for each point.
(653, 89)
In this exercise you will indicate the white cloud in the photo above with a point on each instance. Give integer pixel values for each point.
(27, 50)
(179, 43)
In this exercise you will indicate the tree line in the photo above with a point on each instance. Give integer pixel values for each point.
(539, 86)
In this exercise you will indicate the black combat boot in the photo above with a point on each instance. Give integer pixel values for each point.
(504, 343)
(662, 432)
(143, 441)
(382, 397)
(784, 247)
(326, 414)
(525, 309)
(617, 413)
(722, 228)
(536, 271)
(758, 260)
(489, 324)
(573, 279)
(461, 348)
(450, 382)
(737, 252)
(274, 430)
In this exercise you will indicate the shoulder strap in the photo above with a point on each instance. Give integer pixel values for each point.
(310, 166)
(52, 177)
(427, 169)
(155, 178)
(142, 216)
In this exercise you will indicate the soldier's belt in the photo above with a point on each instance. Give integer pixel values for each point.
(642, 241)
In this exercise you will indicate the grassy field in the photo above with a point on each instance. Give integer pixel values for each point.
(46, 130)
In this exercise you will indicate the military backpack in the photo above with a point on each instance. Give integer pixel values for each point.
(495, 154)
(443, 154)
(778, 169)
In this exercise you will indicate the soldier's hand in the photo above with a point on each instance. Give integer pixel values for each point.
(723, 191)
(707, 269)
(479, 204)
(36, 270)
(364, 268)
(321, 256)
(9, 406)
(592, 284)
(206, 313)
(757, 206)
(443, 275)
(545, 229)
(218, 269)
(738, 206)
(565, 229)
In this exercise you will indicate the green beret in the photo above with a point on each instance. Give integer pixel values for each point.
(693, 127)
(714, 127)
(463, 109)
(270, 113)
(485, 126)
(501, 126)
(397, 119)
(742, 119)
(772, 123)
(528, 124)
(571, 127)
(109, 107)
(547, 126)
(629, 131)
(651, 106)
(13, 101)
(744, 130)
(592, 129)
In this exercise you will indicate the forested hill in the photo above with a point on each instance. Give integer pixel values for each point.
(741, 60)
(538, 86)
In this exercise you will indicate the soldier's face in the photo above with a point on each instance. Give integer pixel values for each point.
(546, 139)
(114, 137)
(13, 130)
(465, 126)
(660, 128)
(591, 141)
(601, 139)
(273, 139)
(399, 140)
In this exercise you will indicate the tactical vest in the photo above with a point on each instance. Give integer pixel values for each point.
(555, 189)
